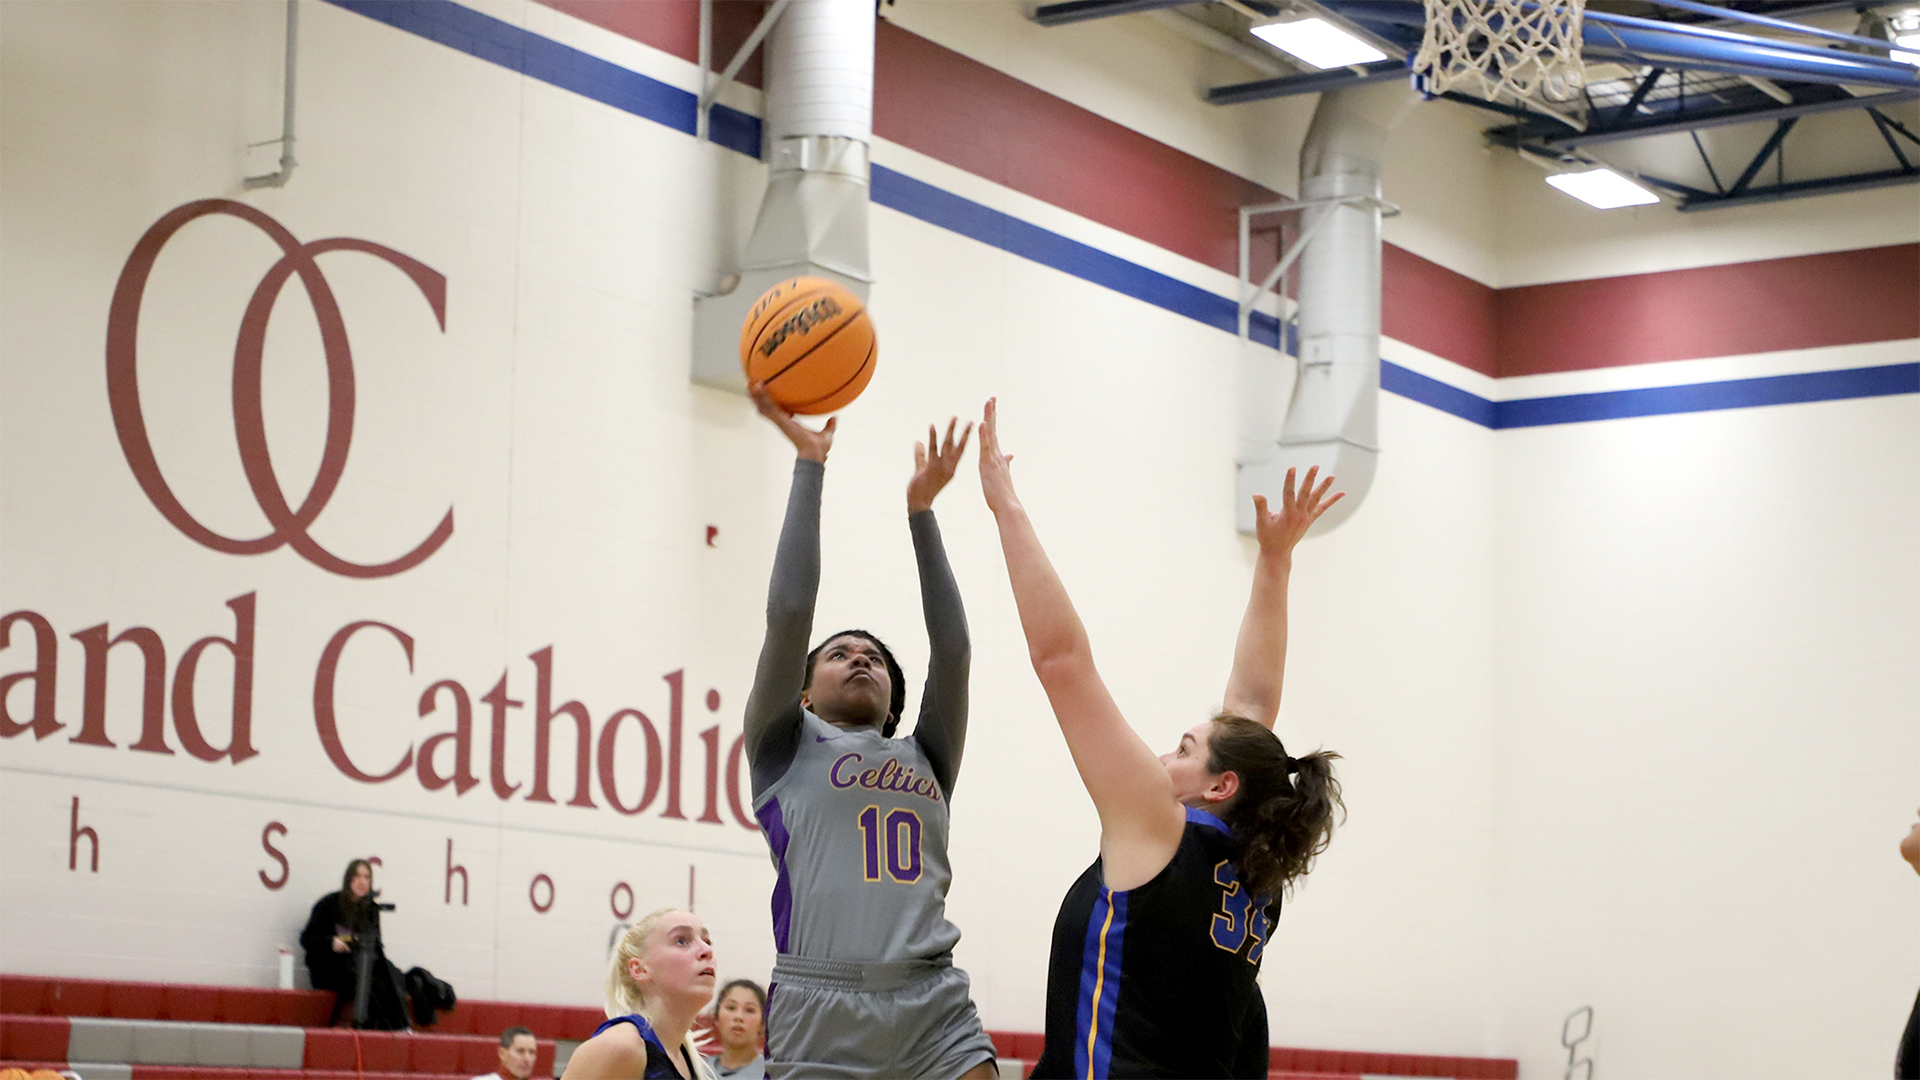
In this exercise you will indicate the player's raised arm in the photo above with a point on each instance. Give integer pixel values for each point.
(1140, 819)
(942, 727)
(1260, 653)
(772, 720)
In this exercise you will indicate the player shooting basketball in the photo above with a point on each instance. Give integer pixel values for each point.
(1158, 943)
(864, 985)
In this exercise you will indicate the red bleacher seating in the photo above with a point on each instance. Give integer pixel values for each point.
(40, 995)
(20, 995)
(1017, 1045)
(435, 1054)
(74, 997)
(208, 1072)
(476, 1058)
(1290, 1061)
(490, 1018)
(34, 1038)
(137, 1001)
(35, 1033)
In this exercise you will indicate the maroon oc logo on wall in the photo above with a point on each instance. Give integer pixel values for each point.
(289, 523)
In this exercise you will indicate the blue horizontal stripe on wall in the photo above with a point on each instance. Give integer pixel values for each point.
(1430, 391)
(930, 204)
(1882, 381)
(515, 48)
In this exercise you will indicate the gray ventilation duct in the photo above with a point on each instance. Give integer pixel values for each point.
(1333, 419)
(813, 218)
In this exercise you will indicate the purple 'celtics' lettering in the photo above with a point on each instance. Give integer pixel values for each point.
(890, 776)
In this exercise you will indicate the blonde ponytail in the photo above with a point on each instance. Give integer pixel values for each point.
(624, 996)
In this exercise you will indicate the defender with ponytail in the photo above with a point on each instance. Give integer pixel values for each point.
(1158, 944)
(659, 978)
(1286, 807)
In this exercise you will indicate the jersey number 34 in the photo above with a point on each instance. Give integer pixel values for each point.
(1238, 916)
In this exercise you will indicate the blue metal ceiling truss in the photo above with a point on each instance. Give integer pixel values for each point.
(1743, 193)
(1815, 75)
(1811, 76)
(1314, 82)
(1063, 12)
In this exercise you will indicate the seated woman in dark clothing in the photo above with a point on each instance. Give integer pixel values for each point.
(342, 933)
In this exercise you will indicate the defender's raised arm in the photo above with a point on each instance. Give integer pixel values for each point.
(1260, 654)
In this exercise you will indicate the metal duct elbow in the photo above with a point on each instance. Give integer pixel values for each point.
(813, 218)
(1332, 420)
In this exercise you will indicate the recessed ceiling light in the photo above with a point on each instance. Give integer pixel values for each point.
(1317, 42)
(1904, 28)
(1603, 188)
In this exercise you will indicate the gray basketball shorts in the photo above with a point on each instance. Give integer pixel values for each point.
(842, 1021)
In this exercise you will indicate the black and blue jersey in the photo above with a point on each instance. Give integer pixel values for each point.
(659, 1061)
(1159, 980)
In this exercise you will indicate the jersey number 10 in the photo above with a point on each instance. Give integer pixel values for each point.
(900, 835)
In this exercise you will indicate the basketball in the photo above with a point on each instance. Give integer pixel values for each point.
(810, 341)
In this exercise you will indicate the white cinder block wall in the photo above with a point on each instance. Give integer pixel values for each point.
(1628, 706)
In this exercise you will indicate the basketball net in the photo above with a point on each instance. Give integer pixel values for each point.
(1521, 48)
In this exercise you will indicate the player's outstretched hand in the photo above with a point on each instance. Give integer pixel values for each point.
(809, 444)
(1281, 529)
(996, 468)
(933, 464)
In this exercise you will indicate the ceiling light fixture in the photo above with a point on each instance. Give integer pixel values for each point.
(1903, 29)
(1317, 42)
(1603, 188)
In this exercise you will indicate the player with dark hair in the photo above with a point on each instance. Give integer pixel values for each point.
(740, 1027)
(864, 983)
(1157, 945)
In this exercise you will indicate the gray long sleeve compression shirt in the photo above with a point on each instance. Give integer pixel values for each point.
(773, 708)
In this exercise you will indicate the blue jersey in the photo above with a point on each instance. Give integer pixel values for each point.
(1159, 980)
(659, 1062)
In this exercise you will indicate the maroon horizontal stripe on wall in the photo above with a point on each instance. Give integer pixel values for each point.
(1430, 307)
(1804, 302)
(959, 111)
(938, 102)
(931, 99)
(673, 26)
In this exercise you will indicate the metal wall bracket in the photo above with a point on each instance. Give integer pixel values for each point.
(1315, 213)
(709, 90)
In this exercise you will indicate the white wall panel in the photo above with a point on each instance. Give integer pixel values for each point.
(1626, 706)
(1707, 738)
(1546, 235)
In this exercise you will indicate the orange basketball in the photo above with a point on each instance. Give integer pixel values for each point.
(811, 342)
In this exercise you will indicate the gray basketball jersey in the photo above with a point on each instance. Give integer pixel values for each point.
(858, 831)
